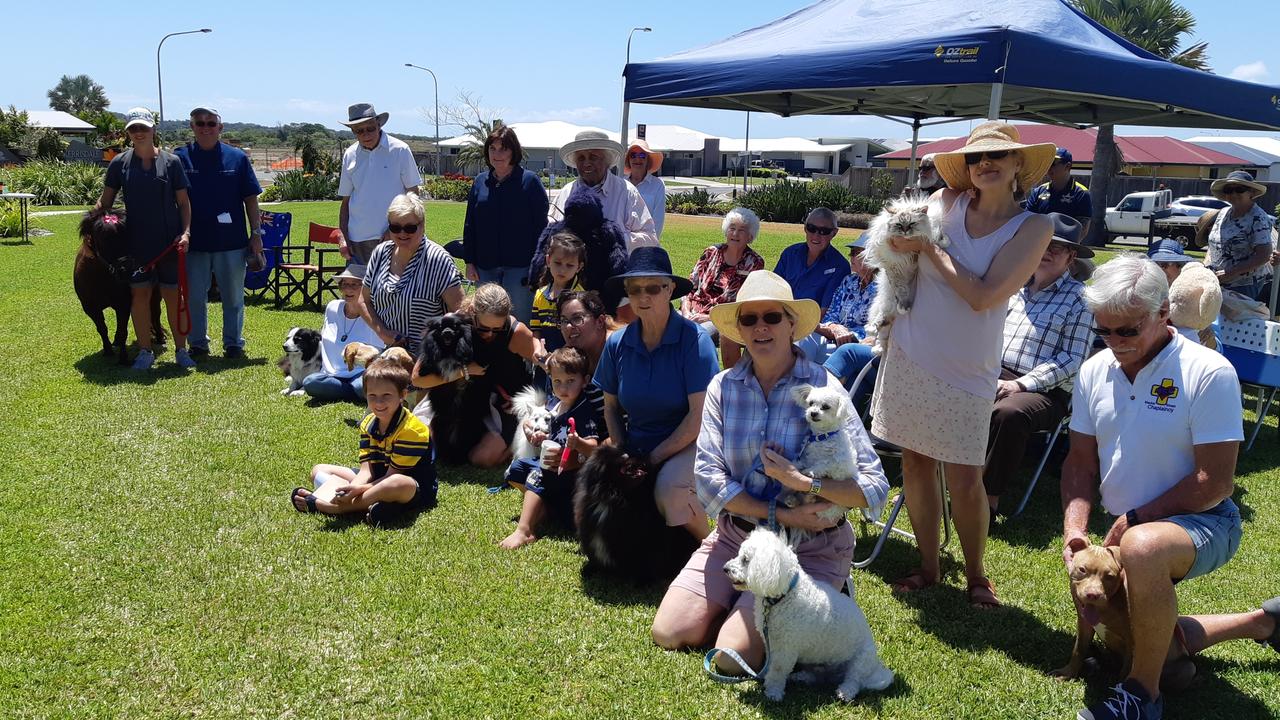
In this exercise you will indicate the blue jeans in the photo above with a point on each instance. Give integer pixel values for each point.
(512, 280)
(815, 347)
(326, 387)
(846, 362)
(228, 267)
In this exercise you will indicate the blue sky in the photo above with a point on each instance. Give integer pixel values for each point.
(271, 62)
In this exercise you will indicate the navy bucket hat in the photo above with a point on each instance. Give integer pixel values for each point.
(649, 262)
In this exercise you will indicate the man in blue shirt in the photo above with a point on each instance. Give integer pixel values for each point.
(1062, 194)
(224, 194)
(813, 268)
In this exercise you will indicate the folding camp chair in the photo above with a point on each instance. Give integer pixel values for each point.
(887, 450)
(275, 235)
(301, 268)
(1044, 458)
(329, 260)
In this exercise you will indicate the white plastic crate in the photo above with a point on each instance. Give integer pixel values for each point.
(1256, 334)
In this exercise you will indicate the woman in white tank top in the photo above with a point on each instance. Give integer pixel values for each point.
(938, 378)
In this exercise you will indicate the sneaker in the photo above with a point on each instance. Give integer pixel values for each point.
(198, 352)
(233, 353)
(1128, 701)
(145, 360)
(183, 358)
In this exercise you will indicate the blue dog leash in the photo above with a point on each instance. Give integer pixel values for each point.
(708, 662)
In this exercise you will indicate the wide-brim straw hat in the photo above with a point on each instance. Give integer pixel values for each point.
(591, 140)
(995, 136)
(363, 113)
(655, 158)
(765, 285)
(1238, 177)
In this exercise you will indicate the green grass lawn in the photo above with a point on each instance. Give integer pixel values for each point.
(151, 566)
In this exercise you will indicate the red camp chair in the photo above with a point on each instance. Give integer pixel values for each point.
(302, 268)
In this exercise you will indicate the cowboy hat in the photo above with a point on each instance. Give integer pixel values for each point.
(1238, 177)
(362, 113)
(655, 158)
(591, 140)
(649, 261)
(765, 285)
(1066, 231)
(995, 136)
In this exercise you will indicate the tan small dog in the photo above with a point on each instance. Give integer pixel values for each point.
(1101, 607)
(358, 354)
(399, 356)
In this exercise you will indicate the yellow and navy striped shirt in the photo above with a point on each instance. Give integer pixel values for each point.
(406, 445)
(544, 315)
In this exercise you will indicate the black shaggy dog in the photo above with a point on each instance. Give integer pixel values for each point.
(619, 528)
(456, 421)
(606, 243)
(101, 280)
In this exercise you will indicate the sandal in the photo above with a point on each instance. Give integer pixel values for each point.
(310, 499)
(913, 581)
(1272, 609)
(982, 595)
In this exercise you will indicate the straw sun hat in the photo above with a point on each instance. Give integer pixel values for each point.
(591, 140)
(996, 136)
(1239, 177)
(764, 285)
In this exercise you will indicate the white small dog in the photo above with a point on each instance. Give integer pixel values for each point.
(530, 404)
(908, 216)
(804, 621)
(828, 453)
(301, 358)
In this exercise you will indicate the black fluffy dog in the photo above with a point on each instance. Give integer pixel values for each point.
(606, 243)
(101, 279)
(619, 528)
(456, 422)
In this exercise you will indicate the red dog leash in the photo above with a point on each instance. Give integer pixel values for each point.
(184, 311)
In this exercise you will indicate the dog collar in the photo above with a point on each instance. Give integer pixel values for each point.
(824, 436)
(771, 601)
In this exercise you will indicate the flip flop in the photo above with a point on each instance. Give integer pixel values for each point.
(982, 595)
(913, 581)
(310, 499)
(1272, 609)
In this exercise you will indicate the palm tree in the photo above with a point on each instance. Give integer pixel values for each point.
(77, 95)
(1159, 27)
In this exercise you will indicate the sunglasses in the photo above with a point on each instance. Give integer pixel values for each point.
(773, 317)
(974, 158)
(1124, 332)
(137, 128)
(1233, 189)
(204, 123)
(641, 155)
(927, 168)
(490, 331)
(819, 230)
(576, 321)
(365, 129)
(398, 229)
(649, 290)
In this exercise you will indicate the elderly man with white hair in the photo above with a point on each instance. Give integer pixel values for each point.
(1155, 429)
(592, 153)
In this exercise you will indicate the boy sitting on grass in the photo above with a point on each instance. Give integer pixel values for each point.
(546, 483)
(397, 476)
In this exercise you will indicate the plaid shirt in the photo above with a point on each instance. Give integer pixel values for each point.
(737, 420)
(715, 282)
(1047, 334)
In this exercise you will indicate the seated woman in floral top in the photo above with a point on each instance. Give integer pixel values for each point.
(719, 273)
(843, 327)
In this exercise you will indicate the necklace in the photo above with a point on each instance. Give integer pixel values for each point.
(349, 326)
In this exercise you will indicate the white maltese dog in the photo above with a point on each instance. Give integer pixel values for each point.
(805, 622)
(907, 216)
(828, 452)
(530, 407)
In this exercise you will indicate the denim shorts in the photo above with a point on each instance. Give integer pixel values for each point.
(1215, 533)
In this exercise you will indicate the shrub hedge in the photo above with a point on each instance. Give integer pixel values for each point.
(55, 182)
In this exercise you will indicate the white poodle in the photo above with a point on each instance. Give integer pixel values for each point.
(828, 452)
(530, 407)
(805, 622)
(907, 216)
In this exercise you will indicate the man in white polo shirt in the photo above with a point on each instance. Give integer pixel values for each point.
(593, 153)
(1156, 423)
(375, 169)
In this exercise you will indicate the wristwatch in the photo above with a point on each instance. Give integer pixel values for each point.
(256, 231)
(1131, 518)
(815, 486)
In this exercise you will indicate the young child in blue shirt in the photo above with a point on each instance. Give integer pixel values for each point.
(396, 478)
(547, 485)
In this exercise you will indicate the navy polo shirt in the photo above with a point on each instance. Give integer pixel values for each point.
(654, 387)
(1074, 201)
(817, 282)
(220, 180)
(504, 219)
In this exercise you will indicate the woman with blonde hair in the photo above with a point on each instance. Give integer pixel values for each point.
(937, 382)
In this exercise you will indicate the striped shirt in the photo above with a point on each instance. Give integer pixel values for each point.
(405, 302)
(737, 420)
(402, 446)
(1047, 334)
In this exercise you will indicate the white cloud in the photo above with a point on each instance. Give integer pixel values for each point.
(1252, 72)
(588, 113)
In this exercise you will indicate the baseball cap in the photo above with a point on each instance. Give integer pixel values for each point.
(1062, 154)
(205, 110)
(139, 116)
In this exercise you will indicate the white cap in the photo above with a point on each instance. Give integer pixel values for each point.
(139, 116)
(205, 110)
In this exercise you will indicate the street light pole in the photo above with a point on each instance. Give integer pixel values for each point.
(436, 84)
(159, 82)
(626, 106)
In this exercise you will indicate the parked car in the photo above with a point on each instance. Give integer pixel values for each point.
(1196, 205)
(1149, 213)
